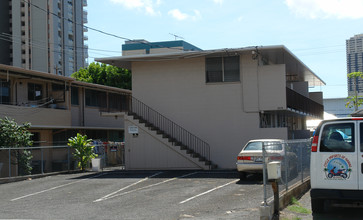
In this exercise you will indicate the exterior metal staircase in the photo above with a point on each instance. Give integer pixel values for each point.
(177, 136)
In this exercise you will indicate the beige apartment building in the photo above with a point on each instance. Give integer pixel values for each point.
(58, 107)
(196, 109)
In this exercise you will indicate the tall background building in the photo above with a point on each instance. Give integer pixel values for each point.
(53, 42)
(355, 63)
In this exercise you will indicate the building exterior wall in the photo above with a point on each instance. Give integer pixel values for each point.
(39, 35)
(144, 151)
(53, 108)
(225, 115)
(354, 49)
(94, 119)
(44, 41)
(336, 106)
(37, 116)
(271, 78)
(144, 47)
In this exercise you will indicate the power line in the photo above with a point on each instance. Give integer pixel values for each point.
(94, 29)
(43, 42)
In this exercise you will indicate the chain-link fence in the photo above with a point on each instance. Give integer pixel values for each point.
(294, 162)
(48, 159)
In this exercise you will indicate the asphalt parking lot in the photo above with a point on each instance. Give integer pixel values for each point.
(122, 194)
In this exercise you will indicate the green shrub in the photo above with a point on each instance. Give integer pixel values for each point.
(83, 150)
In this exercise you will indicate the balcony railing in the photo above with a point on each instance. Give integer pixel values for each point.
(303, 104)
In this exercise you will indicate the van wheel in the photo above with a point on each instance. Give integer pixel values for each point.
(317, 205)
(242, 175)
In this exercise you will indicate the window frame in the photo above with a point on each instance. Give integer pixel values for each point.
(224, 69)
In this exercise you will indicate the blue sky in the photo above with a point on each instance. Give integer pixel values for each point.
(314, 30)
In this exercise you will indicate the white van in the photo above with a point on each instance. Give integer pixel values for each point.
(336, 167)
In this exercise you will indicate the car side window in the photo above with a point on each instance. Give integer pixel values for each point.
(337, 138)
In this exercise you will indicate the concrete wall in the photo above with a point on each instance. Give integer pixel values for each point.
(271, 87)
(93, 118)
(37, 116)
(147, 152)
(39, 36)
(16, 30)
(225, 115)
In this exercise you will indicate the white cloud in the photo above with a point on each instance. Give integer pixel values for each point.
(218, 1)
(177, 14)
(146, 5)
(327, 8)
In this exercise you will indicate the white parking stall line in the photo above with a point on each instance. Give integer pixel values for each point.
(211, 190)
(133, 184)
(145, 187)
(56, 187)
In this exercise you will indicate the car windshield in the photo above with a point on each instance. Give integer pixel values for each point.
(268, 146)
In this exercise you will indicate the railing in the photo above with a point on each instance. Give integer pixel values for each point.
(170, 129)
(50, 159)
(301, 103)
(295, 166)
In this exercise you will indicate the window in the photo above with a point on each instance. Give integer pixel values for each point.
(338, 138)
(117, 102)
(34, 92)
(271, 145)
(96, 98)
(74, 96)
(222, 69)
(4, 92)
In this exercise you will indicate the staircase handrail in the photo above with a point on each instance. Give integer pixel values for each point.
(169, 127)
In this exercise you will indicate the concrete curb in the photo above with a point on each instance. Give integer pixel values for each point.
(296, 190)
(36, 176)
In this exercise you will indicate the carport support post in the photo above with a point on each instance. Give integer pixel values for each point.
(275, 189)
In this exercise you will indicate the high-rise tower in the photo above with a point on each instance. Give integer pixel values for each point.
(44, 35)
(355, 63)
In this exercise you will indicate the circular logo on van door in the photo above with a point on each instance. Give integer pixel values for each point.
(337, 167)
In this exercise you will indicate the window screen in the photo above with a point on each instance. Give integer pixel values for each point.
(214, 69)
(337, 138)
(231, 69)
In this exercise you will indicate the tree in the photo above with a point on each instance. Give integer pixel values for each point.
(83, 150)
(15, 136)
(105, 75)
(354, 101)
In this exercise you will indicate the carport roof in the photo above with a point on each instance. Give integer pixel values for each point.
(275, 54)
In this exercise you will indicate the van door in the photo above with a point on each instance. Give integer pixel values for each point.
(360, 156)
(338, 150)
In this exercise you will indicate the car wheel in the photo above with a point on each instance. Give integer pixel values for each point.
(242, 175)
(317, 205)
